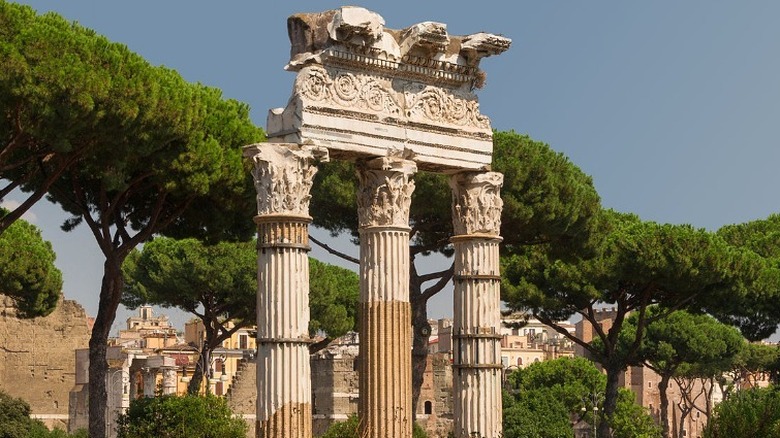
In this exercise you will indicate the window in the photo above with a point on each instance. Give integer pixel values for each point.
(519, 361)
(428, 407)
(243, 342)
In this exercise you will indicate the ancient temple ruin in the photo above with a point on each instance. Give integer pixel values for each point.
(394, 102)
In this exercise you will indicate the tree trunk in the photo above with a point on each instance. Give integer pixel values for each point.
(193, 388)
(663, 386)
(683, 415)
(110, 294)
(610, 399)
(421, 334)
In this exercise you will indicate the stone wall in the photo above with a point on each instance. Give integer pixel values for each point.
(336, 391)
(334, 382)
(437, 388)
(37, 357)
(242, 394)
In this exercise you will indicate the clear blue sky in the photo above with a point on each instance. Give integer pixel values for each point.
(672, 107)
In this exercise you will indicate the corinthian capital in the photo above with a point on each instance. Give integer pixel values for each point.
(283, 175)
(476, 202)
(385, 192)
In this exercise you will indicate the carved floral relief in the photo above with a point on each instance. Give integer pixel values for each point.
(283, 178)
(347, 90)
(416, 102)
(385, 194)
(476, 202)
(440, 105)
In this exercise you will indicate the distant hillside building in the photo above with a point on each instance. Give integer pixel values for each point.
(148, 358)
(147, 331)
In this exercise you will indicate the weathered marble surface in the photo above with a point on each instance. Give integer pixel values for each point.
(366, 90)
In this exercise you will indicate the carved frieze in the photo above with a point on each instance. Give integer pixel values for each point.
(476, 202)
(362, 89)
(283, 175)
(385, 192)
(416, 103)
(425, 103)
(347, 90)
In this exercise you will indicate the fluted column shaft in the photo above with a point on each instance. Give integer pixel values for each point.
(476, 338)
(283, 175)
(384, 198)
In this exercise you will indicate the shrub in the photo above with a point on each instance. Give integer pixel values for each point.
(750, 413)
(180, 417)
(349, 429)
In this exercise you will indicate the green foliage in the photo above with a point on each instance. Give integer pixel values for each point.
(333, 205)
(349, 429)
(343, 429)
(333, 298)
(632, 420)
(681, 342)
(219, 282)
(545, 397)
(755, 310)
(546, 197)
(189, 274)
(38, 430)
(756, 359)
(537, 415)
(15, 421)
(130, 149)
(680, 345)
(633, 264)
(747, 414)
(28, 275)
(567, 380)
(108, 123)
(180, 417)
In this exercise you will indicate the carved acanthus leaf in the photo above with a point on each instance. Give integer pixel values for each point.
(283, 175)
(476, 202)
(385, 193)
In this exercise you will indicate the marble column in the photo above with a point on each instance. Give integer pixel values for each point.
(170, 378)
(384, 198)
(476, 216)
(150, 382)
(283, 176)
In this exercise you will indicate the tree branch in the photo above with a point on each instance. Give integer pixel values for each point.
(418, 249)
(319, 345)
(333, 251)
(434, 275)
(433, 290)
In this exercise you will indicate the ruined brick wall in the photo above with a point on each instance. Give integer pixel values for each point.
(438, 373)
(334, 389)
(335, 392)
(37, 359)
(242, 394)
